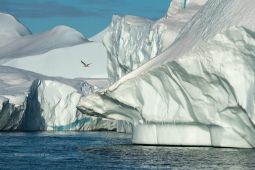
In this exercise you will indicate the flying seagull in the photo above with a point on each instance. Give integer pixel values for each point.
(84, 64)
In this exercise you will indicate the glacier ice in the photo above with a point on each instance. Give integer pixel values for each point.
(11, 28)
(30, 101)
(186, 79)
(21, 49)
(132, 41)
(11, 110)
(122, 43)
(198, 91)
(55, 62)
(202, 98)
(27, 45)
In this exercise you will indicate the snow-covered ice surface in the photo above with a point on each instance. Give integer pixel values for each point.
(199, 91)
(55, 62)
(11, 29)
(132, 41)
(50, 52)
(22, 43)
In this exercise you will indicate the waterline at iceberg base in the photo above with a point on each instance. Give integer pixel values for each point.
(187, 135)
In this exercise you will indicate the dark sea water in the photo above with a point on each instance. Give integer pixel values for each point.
(110, 150)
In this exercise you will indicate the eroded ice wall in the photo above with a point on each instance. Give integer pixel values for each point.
(30, 104)
(197, 92)
(132, 41)
(210, 90)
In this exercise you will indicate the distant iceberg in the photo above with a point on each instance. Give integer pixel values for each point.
(50, 52)
(30, 104)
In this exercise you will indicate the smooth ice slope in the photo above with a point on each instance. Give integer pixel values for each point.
(66, 62)
(11, 28)
(197, 92)
(48, 53)
(132, 41)
(58, 37)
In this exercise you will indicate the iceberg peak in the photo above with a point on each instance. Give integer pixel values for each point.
(11, 27)
(178, 5)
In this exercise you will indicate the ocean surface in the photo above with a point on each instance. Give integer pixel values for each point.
(110, 150)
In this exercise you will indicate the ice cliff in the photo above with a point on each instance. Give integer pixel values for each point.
(132, 41)
(52, 106)
(32, 102)
(199, 90)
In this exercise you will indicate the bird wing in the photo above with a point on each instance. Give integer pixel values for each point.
(83, 62)
(85, 65)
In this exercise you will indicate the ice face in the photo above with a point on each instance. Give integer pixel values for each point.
(127, 45)
(207, 92)
(50, 105)
(11, 111)
(31, 101)
(177, 6)
(132, 41)
(28, 104)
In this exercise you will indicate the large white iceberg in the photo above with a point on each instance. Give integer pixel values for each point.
(132, 41)
(22, 43)
(199, 91)
(52, 106)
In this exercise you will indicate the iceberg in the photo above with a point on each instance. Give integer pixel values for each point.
(199, 91)
(32, 102)
(21, 42)
(42, 53)
(56, 62)
(42, 99)
(52, 106)
(11, 29)
(131, 41)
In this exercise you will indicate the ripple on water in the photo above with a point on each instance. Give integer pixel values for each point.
(108, 150)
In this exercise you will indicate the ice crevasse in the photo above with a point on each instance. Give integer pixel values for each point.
(199, 91)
